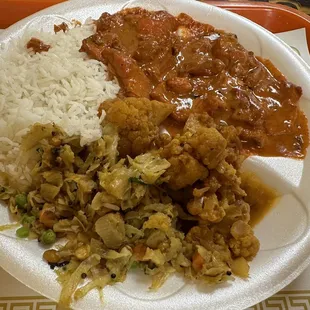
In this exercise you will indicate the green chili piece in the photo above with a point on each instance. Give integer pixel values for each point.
(136, 180)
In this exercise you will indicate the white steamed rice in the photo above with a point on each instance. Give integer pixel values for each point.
(60, 86)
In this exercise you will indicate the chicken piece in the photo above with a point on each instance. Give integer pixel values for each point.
(194, 27)
(90, 47)
(243, 243)
(148, 49)
(158, 23)
(61, 27)
(137, 120)
(197, 58)
(184, 170)
(37, 46)
(159, 92)
(154, 35)
(207, 208)
(108, 49)
(130, 76)
(247, 109)
(108, 22)
(181, 116)
(203, 66)
(102, 40)
(229, 51)
(214, 104)
(179, 85)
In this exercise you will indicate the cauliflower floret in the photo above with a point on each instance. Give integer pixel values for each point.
(208, 263)
(137, 120)
(191, 154)
(159, 221)
(209, 146)
(234, 145)
(207, 143)
(198, 120)
(239, 210)
(207, 208)
(243, 243)
(209, 239)
(184, 170)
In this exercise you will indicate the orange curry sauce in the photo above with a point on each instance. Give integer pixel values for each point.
(199, 68)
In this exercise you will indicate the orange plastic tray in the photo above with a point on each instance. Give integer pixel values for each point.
(274, 17)
(11, 11)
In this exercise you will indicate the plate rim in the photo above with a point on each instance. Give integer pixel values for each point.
(80, 4)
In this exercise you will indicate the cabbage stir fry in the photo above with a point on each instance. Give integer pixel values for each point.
(117, 214)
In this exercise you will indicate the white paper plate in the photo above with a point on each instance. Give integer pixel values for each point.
(284, 232)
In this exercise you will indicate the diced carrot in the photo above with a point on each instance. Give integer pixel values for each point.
(139, 251)
(197, 261)
(47, 218)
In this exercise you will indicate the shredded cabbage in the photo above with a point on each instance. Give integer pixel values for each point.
(119, 212)
(150, 166)
(70, 287)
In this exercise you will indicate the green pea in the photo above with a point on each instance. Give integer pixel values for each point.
(28, 219)
(134, 265)
(21, 200)
(22, 232)
(48, 237)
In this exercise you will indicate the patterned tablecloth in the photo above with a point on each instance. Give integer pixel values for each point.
(296, 296)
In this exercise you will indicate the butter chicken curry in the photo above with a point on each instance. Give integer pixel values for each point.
(199, 68)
